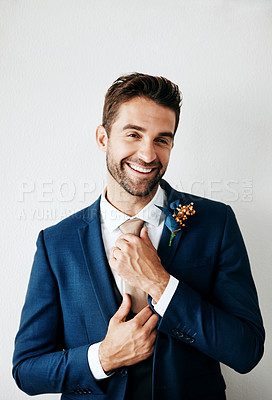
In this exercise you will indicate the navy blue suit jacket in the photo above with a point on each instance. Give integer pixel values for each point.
(213, 316)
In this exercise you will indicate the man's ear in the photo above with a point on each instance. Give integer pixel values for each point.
(101, 138)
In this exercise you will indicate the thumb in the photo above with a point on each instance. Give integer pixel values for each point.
(124, 308)
(145, 237)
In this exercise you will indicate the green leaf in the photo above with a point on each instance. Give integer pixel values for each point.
(173, 234)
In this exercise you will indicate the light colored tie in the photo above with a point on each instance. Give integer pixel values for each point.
(138, 296)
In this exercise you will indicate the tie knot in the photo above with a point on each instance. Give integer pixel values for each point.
(133, 226)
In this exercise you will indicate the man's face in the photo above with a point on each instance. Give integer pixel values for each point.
(139, 145)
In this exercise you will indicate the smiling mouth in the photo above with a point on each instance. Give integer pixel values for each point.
(140, 169)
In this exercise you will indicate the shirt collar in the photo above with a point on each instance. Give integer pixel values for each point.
(151, 214)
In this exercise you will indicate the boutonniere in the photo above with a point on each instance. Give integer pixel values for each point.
(175, 220)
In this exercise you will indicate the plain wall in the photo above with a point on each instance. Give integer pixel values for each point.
(57, 59)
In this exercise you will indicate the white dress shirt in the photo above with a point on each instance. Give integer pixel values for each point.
(111, 219)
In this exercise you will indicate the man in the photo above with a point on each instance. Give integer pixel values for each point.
(78, 336)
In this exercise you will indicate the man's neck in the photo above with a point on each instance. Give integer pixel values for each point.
(125, 202)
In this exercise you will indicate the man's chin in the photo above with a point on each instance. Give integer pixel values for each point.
(141, 192)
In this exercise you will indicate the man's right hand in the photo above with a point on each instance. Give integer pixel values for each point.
(128, 342)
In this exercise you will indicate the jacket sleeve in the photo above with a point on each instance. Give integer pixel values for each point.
(40, 362)
(228, 326)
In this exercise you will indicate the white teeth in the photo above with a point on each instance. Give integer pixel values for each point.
(144, 170)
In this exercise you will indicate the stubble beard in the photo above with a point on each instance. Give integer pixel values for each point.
(134, 187)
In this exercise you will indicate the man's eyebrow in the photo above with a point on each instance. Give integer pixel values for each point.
(167, 134)
(134, 127)
(141, 129)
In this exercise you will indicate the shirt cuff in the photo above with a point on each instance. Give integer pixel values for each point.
(161, 306)
(94, 362)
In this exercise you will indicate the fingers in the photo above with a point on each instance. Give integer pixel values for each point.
(152, 322)
(142, 317)
(121, 244)
(124, 308)
(126, 237)
(123, 241)
(114, 251)
(145, 237)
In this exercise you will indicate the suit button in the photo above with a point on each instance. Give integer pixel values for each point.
(191, 340)
(175, 331)
(123, 372)
(86, 391)
(178, 333)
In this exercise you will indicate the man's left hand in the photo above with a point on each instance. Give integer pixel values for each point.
(136, 260)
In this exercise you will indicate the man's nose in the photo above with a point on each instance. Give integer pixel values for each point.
(147, 152)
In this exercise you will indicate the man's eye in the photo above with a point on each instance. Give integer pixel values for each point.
(163, 141)
(133, 135)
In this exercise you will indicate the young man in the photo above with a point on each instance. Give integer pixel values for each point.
(81, 333)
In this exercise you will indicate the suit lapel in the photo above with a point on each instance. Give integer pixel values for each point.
(96, 262)
(166, 252)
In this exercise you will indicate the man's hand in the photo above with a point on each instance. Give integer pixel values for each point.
(128, 342)
(136, 261)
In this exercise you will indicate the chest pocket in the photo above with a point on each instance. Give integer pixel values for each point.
(197, 273)
(190, 263)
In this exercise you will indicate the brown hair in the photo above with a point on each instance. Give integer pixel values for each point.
(156, 88)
